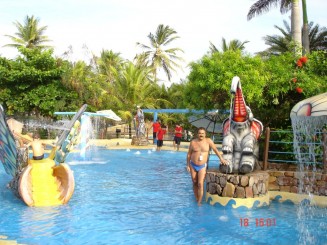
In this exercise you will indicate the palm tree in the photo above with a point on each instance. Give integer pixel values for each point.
(305, 28)
(157, 55)
(262, 6)
(232, 45)
(109, 64)
(317, 37)
(29, 34)
(133, 87)
(279, 44)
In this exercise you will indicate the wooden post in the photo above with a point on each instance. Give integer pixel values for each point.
(324, 147)
(266, 149)
(129, 130)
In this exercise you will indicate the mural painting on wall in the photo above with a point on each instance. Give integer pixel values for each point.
(241, 132)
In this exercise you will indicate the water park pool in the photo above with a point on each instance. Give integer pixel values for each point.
(146, 197)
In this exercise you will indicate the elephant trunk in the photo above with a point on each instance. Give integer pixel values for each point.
(239, 110)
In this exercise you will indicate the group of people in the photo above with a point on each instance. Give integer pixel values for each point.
(160, 130)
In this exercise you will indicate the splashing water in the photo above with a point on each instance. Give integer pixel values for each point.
(86, 135)
(307, 142)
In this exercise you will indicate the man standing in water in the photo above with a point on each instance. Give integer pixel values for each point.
(160, 135)
(197, 159)
(178, 136)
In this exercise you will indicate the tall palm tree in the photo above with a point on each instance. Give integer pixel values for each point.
(262, 6)
(29, 34)
(279, 44)
(232, 45)
(157, 55)
(305, 28)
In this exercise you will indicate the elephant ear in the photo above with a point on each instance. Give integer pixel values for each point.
(226, 126)
(256, 128)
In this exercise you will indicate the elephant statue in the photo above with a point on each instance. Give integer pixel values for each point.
(241, 132)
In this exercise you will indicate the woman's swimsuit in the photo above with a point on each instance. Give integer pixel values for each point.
(197, 168)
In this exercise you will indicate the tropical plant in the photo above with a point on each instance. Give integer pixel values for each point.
(317, 37)
(262, 6)
(158, 55)
(209, 80)
(232, 45)
(109, 64)
(32, 85)
(175, 95)
(29, 34)
(133, 87)
(268, 84)
(280, 44)
(90, 87)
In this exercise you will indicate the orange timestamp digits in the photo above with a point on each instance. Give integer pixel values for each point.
(258, 222)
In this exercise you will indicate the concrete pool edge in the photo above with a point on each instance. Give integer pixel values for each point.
(295, 198)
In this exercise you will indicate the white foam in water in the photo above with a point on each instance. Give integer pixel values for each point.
(223, 218)
(138, 153)
(128, 149)
(87, 162)
(153, 149)
(149, 152)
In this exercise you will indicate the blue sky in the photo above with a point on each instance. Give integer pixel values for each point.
(118, 24)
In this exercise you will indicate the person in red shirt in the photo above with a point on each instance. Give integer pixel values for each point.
(155, 125)
(160, 135)
(178, 136)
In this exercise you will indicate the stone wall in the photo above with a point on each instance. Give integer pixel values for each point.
(250, 185)
(278, 177)
(287, 181)
(286, 178)
(282, 182)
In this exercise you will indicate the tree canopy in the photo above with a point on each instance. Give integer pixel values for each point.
(271, 86)
(31, 84)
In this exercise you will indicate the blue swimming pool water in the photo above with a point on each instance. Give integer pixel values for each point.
(146, 197)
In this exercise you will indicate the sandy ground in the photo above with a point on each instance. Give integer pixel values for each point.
(122, 143)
